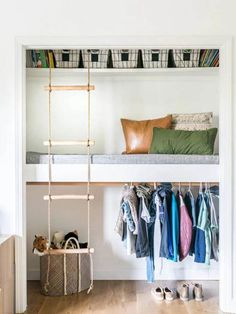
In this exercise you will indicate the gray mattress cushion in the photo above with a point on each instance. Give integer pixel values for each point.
(42, 158)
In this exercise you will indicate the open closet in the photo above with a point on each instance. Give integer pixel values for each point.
(138, 85)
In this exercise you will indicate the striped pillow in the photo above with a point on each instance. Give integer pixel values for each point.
(192, 121)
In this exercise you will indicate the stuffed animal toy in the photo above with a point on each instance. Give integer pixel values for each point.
(39, 245)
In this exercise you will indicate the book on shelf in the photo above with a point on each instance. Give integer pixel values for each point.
(51, 61)
(40, 59)
(29, 60)
(34, 58)
(209, 58)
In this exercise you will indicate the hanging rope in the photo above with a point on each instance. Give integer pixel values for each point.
(88, 150)
(49, 156)
(49, 178)
(89, 174)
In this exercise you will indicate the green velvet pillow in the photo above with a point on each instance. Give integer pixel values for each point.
(167, 141)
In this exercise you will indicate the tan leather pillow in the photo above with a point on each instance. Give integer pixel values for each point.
(138, 134)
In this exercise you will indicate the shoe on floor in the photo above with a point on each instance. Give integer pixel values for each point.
(197, 292)
(169, 294)
(183, 292)
(158, 293)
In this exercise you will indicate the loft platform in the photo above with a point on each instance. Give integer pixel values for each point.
(124, 168)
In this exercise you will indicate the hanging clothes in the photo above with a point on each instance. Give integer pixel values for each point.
(190, 204)
(127, 222)
(185, 229)
(151, 230)
(130, 197)
(203, 233)
(164, 193)
(208, 239)
(186, 226)
(144, 193)
(214, 230)
(175, 228)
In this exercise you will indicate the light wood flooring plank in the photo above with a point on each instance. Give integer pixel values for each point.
(120, 297)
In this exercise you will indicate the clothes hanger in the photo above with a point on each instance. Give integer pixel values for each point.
(200, 187)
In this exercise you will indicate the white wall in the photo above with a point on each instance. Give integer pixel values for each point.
(139, 96)
(97, 18)
(110, 259)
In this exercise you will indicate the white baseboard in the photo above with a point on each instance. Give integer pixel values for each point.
(127, 274)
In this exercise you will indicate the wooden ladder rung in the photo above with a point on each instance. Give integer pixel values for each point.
(68, 143)
(68, 251)
(69, 87)
(69, 197)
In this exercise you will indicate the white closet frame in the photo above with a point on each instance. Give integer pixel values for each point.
(227, 191)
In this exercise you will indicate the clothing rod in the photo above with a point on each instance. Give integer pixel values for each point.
(121, 183)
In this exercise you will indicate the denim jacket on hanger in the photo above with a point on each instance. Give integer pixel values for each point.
(203, 234)
(142, 243)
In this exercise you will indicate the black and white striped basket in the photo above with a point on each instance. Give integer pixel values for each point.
(155, 58)
(124, 58)
(186, 58)
(98, 58)
(67, 58)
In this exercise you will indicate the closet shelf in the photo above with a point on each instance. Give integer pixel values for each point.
(43, 72)
(124, 172)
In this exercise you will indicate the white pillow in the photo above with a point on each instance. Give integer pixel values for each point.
(192, 121)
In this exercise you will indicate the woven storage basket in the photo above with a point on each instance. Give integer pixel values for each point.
(68, 273)
(98, 58)
(186, 58)
(155, 58)
(124, 58)
(67, 58)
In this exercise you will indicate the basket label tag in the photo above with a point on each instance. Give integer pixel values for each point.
(65, 55)
(155, 56)
(124, 56)
(94, 57)
(186, 56)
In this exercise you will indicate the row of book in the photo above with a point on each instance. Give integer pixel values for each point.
(40, 59)
(209, 58)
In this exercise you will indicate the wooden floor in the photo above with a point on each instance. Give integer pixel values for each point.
(120, 297)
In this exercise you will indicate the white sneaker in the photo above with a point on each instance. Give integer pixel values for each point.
(197, 292)
(169, 294)
(183, 291)
(158, 293)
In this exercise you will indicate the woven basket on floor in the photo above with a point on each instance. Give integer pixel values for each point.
(67, 273)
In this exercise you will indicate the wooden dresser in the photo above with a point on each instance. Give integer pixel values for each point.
(7, 275)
